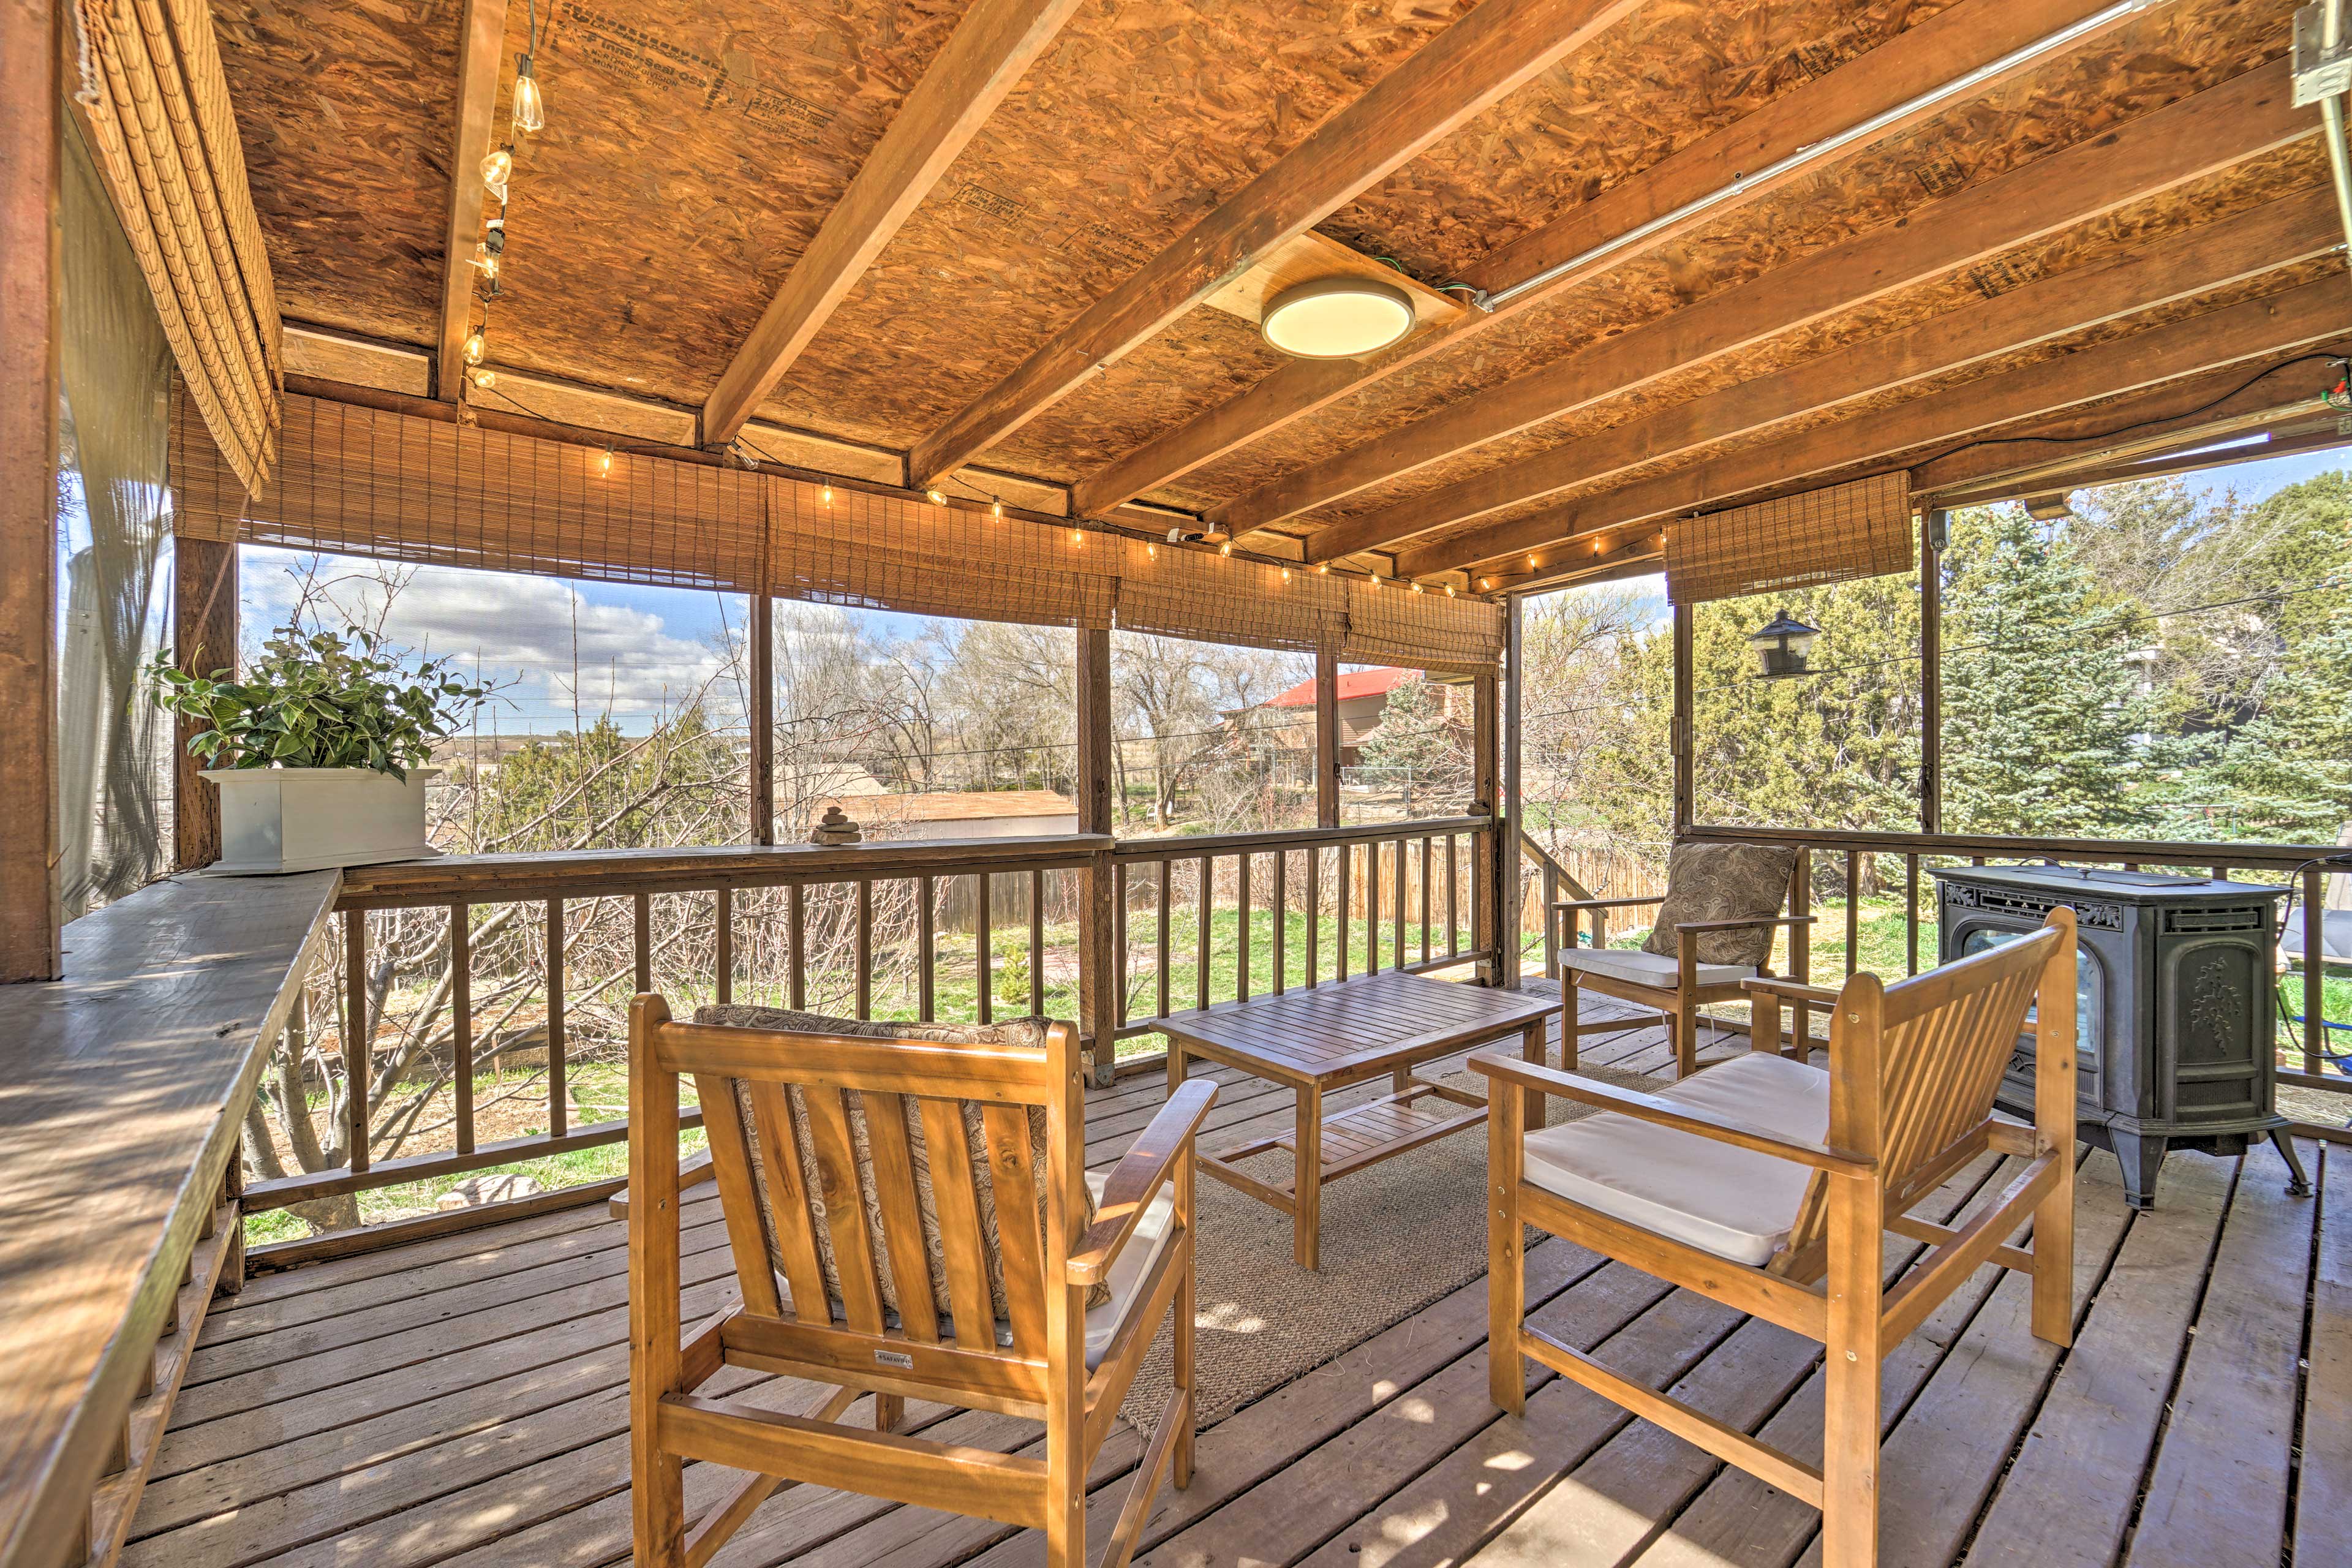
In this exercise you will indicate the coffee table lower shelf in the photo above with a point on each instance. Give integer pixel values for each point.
(1357, 1138)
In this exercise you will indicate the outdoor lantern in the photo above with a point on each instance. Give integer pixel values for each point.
(1781, 646)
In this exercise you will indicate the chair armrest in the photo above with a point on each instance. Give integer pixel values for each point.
(1137, 1179)
(1738, 925)
(1669, 1113)
(1606, 903)
(1793, 991)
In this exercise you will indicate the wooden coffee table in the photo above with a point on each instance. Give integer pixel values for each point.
(1348, 1032)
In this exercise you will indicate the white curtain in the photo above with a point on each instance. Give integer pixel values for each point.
(113, 527)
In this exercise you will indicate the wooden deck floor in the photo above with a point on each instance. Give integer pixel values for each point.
(462, 1401)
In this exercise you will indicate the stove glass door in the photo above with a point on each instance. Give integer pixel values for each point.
(2090, 1018)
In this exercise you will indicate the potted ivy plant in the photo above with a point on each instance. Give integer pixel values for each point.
(317, 750)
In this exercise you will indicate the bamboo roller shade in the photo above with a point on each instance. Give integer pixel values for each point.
(371, 482)
(154, 104)
(1829, 535)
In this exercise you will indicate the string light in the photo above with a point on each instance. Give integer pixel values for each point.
(1531, 562)
(1285, 574)
(1226, 548)
(1449, 590)
(497, 169)
(1323, 569)
(1370, 581)
(938, 497)
(996, 509)
(485, 379)
(604, 461)
(1153, 551)
(825, 494)
(1487, 583)
(474, 347)
(1077, 536)
(1416, 587)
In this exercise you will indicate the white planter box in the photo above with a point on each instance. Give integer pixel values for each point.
(308, 819)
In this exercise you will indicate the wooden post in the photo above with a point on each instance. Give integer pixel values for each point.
(1931, 672)
(1326, 737)
(1097, 1002)
(1508, 804)
(1486, 728)
(203, 639)
(1679, 735)
(29, 262)
(763, 719)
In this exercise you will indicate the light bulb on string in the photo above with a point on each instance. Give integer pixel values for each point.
(1449, 590)
(825, 494)
(938, 497)
(485, 379)
(996, 509)
(1323, 569)
(604, 461)
(1416, 587)
(1285, 574)
(1226, 548)
(487, 259)
(529, 109)
(1077, 536)
(497, 169)
(476, 347)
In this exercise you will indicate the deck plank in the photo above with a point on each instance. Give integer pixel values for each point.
(2323, 1514)
(2068, 1495)
(2217, 1497)
(340, 1432)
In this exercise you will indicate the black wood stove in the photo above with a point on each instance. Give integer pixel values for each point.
(2174, 1010)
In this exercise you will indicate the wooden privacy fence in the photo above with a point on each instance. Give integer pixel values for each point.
(527, 962)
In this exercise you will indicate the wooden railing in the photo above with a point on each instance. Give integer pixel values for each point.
(470, 994)
(2304, 865)
(1415, 880)
(796, 927)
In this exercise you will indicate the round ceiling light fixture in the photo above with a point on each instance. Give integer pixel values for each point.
(1337, 318)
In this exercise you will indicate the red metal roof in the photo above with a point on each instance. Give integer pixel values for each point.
(1352, 683)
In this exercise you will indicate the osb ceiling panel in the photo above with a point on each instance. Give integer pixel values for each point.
(1141, 118)
(2176, 50)
(2215, 199)
(346, 114)
(2074, 342)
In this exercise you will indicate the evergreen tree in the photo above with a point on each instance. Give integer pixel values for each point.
(1416, 747)
(2047, 718)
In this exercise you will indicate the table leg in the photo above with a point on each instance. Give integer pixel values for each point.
(1306, 1188)
(1175, 1065)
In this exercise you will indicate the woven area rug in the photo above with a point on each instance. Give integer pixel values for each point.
(1396, 1237)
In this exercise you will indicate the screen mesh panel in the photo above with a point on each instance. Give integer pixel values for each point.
(403, 486)
(1831, 535)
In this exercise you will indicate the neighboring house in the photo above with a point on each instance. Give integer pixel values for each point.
(1287, 721)
(972, 814)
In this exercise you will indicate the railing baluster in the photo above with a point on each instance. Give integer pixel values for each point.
(559, 1047)
(1037, 943)
(1159, 937)
(1424, 899)
(1118, 945)
(1371, 906)
(1396, 917)
(357, 1063)
(1345, 855)
(461, 1022)
(2314, 971)
(798, 969)
(1453, 895)
(1204, 929)
(645, 943)
(1853, 911)
(1281, 918)
(1911, 910)
(982, 955)
(864, 947)
(1313, 914)
(926, 941)
(724, 914)
(1241, 941)
(1550, 923)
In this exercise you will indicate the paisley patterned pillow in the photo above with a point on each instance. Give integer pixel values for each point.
(1724, 882)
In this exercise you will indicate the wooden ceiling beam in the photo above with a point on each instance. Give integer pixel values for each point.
(2180, 267)
(479, 54)
(2191, 138)
(1947, 46)
(982, 62)
(2311, 314)
(1497, 47)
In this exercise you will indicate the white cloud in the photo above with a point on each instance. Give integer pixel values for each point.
(525, 631)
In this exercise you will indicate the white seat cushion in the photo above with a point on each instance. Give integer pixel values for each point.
(1129, 1268)
(1647, 968)
(1731, 1201)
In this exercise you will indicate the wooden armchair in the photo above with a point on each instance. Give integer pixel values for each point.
(909, 1219)
(1769, 1185)
(1688, 963)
